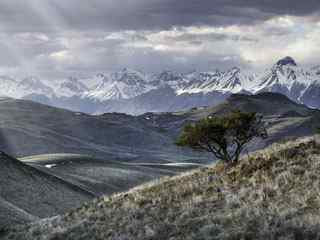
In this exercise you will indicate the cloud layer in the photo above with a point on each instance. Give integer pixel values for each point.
(56, 38)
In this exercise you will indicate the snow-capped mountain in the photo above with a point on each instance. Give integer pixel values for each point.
(33, 85)
(172, 79)
(288, 78)
(10, 87)
(285, 77)
(135, 92)
(124, 84)
(232, 81)
(71, 87)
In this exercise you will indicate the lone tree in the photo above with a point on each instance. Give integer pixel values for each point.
(224, 136)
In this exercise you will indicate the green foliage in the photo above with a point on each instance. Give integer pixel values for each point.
(318, 130)
(224, 136)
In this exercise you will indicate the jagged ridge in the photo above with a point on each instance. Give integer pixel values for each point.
(132, 91)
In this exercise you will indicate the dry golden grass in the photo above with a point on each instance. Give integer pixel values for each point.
(271, 194)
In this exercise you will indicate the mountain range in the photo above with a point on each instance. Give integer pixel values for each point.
(134, 92)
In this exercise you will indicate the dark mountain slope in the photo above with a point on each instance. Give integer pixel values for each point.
(27, 193)
(265, 103)
(11, 214)
(284, 117)
(28, 128)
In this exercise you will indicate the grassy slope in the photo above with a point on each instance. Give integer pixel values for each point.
(272, 194)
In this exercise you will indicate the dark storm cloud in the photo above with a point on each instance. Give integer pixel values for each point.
(163, 14)
(48, 15)
(281, 7)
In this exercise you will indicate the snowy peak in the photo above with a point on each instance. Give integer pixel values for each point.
(124, 84)
(231, 80)
(71, 87)
(234, 71)
(170, 78)
(33, 85)
(316, 70)
(287, 70)
(284, 77)
(129, 77)
(8, 86)
(286, 61)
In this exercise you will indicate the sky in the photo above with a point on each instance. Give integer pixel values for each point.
(54, 38)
